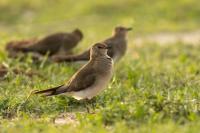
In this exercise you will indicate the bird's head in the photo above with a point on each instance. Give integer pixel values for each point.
(99, 49)
(77, 32)
(121, 31)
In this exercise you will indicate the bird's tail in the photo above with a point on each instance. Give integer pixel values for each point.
(85, 56)
(52, 91)
(19, 45)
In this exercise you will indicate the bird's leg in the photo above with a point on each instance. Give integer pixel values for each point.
(92, 103)
(86, 105)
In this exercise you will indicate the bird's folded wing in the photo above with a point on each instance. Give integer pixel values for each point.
(49, 42)
(83, 79)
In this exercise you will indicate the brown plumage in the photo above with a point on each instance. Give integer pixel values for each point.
(53, 44)
(12, 46)
(89, 80)
(117, 44)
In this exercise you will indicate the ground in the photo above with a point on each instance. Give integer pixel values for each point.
(155, 88)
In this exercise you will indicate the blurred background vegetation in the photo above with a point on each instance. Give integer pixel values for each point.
(144, 15)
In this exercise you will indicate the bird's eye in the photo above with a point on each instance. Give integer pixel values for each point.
(99, 46)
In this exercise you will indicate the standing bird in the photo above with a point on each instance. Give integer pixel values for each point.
(117, 44)
(89, 80)
(61, 43)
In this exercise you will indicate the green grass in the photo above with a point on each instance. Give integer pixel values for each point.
(154, 88)
(160, 88)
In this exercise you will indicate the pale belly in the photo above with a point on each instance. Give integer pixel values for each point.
(92, 91)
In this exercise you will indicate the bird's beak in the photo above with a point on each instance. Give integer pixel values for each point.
(129, 29)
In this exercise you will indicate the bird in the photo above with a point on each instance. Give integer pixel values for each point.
(11, 47)
(117, 43)
(90, 79)
(62, 43)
